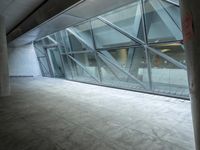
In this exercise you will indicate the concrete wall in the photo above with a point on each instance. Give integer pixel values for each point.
(23, 61)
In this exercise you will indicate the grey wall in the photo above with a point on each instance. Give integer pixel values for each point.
(23, 61)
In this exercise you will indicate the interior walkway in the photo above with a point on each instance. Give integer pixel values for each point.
(54, 114)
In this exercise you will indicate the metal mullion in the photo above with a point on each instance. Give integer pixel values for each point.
(44, 66)
(59, 50)
(146, 41)
(127, 73)
(148, 63)
(48, 61)
(42, 71)
(71, 50)
(77, 62)
(173, 3)
(70, 41)
(79, 52)
(68, 63)
(70, 66)
(118, 47)
(144, 22)
(130, 58)
(92, 33)
(98, 66)
(95, 53)
(64, 44)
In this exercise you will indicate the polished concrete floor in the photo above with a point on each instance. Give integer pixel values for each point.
(53, 114)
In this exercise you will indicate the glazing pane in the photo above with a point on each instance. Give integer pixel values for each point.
(160, 25)
(44, 67)
(63, 41)
(115, 75)
(106, 37)
(167, 78)
(67, 67)
(85, 67)
(56, 63)
(174, 11)
(39, 50)
(80, 37)
(131, 60)
(173, 50)
(128, 18)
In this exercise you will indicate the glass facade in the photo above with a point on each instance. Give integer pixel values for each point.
(136, 47)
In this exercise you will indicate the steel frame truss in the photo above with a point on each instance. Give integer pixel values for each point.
(109, 61)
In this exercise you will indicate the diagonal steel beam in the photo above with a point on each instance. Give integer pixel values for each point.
(109, 66)
(162, 3)
(175, 62)
(77, 62)
(166, 18)
(36, 47)
(137, 40)
(43, 66)
(52, 40)
(124, 71)
(80, 39)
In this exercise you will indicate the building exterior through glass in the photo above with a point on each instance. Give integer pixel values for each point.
(136, 47)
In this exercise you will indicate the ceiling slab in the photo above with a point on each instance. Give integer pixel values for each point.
(91, 8)
(72, 16)
(15, 11)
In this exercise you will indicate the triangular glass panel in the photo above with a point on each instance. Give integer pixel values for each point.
(85, 67)
(82, 33)
(128, 18)
(56, 63)
(173, 50)
(39, 50)
(132, 60)
(174, 11)
(44, 67)
(115, 75)
(160, 26)
(167, 78)
(107, 37)
(67, 68)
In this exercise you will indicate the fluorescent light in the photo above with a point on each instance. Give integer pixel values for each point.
(165, 50)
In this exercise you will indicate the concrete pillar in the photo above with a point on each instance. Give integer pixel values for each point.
(4, 74)
(190, 11)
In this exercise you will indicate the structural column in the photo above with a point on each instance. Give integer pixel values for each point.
(190, 10)
(4, 74)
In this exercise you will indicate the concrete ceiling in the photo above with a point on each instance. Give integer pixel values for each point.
(84, 10)
(15, 11)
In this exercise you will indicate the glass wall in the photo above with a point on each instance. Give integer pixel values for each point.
(136, 47)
